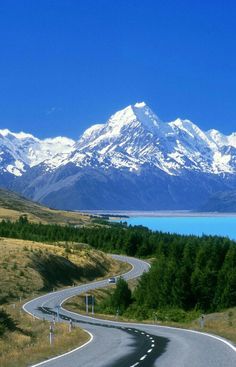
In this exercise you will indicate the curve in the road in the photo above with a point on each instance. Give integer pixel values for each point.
(127, 344)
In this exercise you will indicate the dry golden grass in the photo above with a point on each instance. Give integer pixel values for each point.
(47, 216)
(12, 206)
(220, 323)
(19, 278)
(31, 344)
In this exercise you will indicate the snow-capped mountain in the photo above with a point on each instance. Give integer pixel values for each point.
(20, 151)
(133, 161)
(135, 137)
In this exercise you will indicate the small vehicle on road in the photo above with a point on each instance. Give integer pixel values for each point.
(112, 280)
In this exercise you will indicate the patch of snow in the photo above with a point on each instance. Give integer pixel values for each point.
(232, 140)
(13, 170)
(140, 104)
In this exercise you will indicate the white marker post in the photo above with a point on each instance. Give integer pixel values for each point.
(93, 301)
(202, 321)
(51, 334)
(70, 326)
(86, 303)
(58, 313)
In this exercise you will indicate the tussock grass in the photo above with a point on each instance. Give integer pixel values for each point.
(12, 206)
(220, 323)
(30, 343)
(28, 267)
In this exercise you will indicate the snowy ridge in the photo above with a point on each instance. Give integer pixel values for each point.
(132, 139)
(20, 151)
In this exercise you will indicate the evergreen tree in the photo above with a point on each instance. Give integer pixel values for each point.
(121, 298)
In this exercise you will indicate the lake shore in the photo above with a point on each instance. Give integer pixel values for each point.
(116, 214)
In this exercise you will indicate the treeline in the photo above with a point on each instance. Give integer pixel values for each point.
(189, 271)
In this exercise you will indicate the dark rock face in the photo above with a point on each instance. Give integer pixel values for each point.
(224, 202)
(74, 188)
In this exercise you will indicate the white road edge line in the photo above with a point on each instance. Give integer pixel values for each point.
(73, 350)
(65, 354)
(126, 324)
(154, 326)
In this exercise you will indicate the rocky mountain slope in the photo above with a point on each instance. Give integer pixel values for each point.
(133, 161)
(224, 202)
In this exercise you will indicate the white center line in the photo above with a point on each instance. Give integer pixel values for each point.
(134, 365)
(153, 345)
(143, 357)
(149, 350)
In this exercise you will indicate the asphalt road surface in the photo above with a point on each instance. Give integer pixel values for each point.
(117, 344)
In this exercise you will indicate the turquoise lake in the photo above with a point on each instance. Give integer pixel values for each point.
(221, 226)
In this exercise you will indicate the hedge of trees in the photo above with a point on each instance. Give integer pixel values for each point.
(188, 272)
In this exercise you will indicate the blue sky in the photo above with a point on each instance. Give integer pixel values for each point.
(67, 64)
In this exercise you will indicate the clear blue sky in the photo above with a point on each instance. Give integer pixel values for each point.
(67, 64)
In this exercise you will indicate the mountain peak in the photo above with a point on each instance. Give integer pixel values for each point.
(133, 115)
(140, 104)
(20, 135)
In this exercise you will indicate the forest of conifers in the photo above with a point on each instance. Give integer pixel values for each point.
(187, 272)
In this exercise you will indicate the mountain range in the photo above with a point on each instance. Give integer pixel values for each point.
(133, 161)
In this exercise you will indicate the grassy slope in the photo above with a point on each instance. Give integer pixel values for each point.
(12, 206)
(26, 268)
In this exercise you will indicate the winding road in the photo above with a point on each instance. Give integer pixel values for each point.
(119, 344)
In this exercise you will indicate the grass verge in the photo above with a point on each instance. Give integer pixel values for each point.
(218, 323)
(29, 343)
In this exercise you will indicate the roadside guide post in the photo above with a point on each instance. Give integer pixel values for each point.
(86, 303)
(202, 321)
(58, 313)
(51, 334)
(93, 301)
(70, 325)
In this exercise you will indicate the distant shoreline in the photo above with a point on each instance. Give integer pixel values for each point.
(116, 214)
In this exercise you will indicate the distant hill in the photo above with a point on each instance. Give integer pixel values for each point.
(221, 202)
(12, 206)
